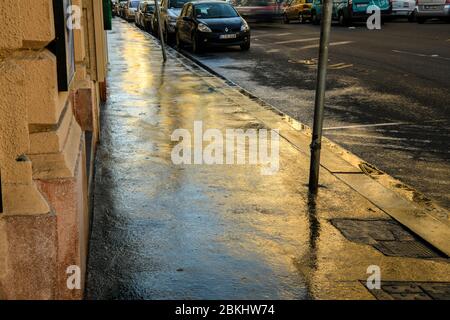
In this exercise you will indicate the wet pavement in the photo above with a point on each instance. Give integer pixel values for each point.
(166, 231)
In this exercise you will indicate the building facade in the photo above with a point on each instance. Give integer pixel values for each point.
(53, 62)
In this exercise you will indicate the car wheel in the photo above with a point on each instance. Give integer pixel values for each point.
(314, 18)
(179, 42)
(342, 21)
(285, 19)
(166, 35)
(300, 18)
(245, 46)
(196, 46)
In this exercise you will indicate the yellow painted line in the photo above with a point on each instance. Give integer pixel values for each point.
(339, 66)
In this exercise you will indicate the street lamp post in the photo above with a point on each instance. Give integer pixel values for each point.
(320, 96)
(161, 37)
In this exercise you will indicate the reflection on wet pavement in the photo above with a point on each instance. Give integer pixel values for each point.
(164, 231)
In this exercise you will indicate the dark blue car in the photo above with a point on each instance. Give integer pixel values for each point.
(204, 24)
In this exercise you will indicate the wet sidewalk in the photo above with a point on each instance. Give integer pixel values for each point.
(167, 231)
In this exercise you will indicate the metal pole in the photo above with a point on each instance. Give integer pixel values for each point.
(320, 96)
(161, 37)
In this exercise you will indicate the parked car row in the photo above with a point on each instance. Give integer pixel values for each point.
(145, 16)
(198, 24)
(125, 9)
(204, 23)
(348, 11)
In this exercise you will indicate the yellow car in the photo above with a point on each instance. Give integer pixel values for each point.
(297, 10)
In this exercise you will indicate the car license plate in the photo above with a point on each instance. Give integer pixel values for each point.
(228, 36)
(361, 5)
(431, 7)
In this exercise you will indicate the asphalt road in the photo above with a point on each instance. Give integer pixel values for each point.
(388, 91)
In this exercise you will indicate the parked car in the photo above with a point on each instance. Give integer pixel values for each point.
(149, 13)
(129, 10)
(428, 9)
(211, 23)
(316, 11)
(297, 10)
(139, 15)
(121, 7)
(170, 11)
(403, 8)
(348, 11)
(115, 7)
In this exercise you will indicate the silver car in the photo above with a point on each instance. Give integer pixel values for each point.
(428, 9)
(403, 8)
(170, 10)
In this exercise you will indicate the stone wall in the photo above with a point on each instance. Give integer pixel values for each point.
(44, 218)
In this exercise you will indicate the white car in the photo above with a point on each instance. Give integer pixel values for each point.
(403, 8)
(429, 9)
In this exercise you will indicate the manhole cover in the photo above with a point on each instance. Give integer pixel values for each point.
(387, 236)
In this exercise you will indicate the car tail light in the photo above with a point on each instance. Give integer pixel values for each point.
(447, 2)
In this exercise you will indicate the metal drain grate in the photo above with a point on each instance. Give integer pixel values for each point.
(387, 236)
(399, 290)
(400, 248)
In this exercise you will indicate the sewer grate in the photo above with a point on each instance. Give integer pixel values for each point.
(400, 290)
(399, 248)
(387, 236)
